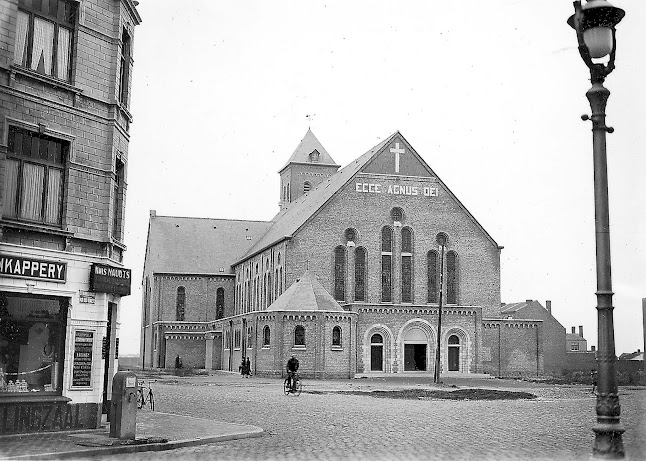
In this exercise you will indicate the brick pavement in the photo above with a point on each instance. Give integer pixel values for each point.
(556, 426)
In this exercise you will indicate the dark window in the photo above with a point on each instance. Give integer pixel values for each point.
(360, 274)
(117, 200)
(299, 336)
(315, 155)
(453, 339)
(44, 36)
(407, 265)
(266, 336)
(336, 336)
(125, 68)
(219, 303)
(249, 337)
(350, 235)
(236, 339)
(339, 273)
(386, 265)
(34, 173)
(451, 278)
(307, 186)
(181, 304)
(431, 261)
(376, 339)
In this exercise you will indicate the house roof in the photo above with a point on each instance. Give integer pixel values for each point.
(510, 308)
(309, 144)
(198, 245)
(574, 337)
(639, 356)
(305, 294)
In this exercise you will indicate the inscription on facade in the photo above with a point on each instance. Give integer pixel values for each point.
(16, 266)
(396, 189)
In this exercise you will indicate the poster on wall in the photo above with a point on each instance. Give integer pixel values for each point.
(82, 365)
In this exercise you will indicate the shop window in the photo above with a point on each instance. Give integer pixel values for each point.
(339, 273)
(451, 278)
(336, 336)
(266, 336)
(219, 303)
(34, 174)
(180, 307)
(44, 36)
(360, 274)
(32, 344)
(386, 265)
(299, 336)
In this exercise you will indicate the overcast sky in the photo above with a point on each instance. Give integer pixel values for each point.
(489, 93)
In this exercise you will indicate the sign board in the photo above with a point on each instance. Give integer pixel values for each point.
(82, 364)
(108, 279)
(30, 268)
(396, 189)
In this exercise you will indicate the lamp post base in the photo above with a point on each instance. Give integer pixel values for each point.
(608, 443)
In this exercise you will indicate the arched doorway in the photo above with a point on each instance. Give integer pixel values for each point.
(415, 350)
(376, 352)
(454, 353)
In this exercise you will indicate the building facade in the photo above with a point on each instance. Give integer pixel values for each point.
(368, 235)
(65, 82)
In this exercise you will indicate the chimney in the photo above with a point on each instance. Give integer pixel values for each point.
(548, 306)
(581, 330)
(528, 300)
(153, 213)
(573, 330)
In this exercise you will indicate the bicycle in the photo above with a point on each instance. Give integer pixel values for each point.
(145, 396)
(295, 388)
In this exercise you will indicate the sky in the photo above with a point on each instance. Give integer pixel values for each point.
(490, 94)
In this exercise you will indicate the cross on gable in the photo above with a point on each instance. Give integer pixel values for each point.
(397, 150)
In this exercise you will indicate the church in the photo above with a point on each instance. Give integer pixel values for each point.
(351, 276)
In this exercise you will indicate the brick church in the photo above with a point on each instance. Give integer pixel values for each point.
(348, 276)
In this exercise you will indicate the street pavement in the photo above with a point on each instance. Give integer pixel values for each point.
(322, 424)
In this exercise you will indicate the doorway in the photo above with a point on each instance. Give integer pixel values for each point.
(376, 353)
(454, 353)
(108, 355)
(414, 357)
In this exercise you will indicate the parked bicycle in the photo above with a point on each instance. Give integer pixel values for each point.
(145, 396)
(296, 386)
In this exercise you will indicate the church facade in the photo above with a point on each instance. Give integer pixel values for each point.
(388, 244)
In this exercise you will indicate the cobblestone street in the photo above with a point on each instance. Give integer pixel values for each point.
(556, 426)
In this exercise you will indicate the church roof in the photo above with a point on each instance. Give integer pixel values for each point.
(291, 218)
(306, 294)
(308, 145)
(198, 245)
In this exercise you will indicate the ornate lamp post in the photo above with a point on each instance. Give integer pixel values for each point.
(441, 241)
(594, 24)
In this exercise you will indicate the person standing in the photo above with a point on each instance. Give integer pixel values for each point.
(248, 368)
(292, 368)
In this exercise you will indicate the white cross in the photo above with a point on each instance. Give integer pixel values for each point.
(397, 150)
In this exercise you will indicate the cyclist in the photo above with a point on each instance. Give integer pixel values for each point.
(292, 368)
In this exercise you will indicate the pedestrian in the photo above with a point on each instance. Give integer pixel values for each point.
(248, 367)
(593, 376)
(178, 362)
(241, 368)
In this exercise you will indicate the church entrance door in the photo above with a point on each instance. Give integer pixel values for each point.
(454, 353)
(414, 357)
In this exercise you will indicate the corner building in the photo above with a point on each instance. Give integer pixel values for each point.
(368, 235)
(65, 80)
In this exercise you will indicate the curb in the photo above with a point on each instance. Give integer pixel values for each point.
(118, 449)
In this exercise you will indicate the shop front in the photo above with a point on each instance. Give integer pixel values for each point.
(58, 339)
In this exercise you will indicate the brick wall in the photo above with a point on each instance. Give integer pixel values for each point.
(191, 352)
(513, 347)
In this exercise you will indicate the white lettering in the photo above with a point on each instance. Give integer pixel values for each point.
(43, 270)
(59, 268)
(50, 271)
(357, 187)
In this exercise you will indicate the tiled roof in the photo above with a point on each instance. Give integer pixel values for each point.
(513, 307)
(305, 294)
(198, 245)
(291, 218)
(574, 337)
(308, 145)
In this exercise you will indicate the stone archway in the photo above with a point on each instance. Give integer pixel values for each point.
(416, 346)
(456, 348)
(377, 350)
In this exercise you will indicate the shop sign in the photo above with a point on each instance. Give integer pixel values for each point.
(22, 417)
(108, 279)
(82, 364)
(40, 269)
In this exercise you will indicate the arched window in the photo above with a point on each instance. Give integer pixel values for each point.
(350, 235)
(376, 352)
(219, 303)
(336, 336)
(289, 193)
(386, 265)
(454, 353)
(266, 336)
(451, 278)
(431, 275)
(407, 265)
(339, 273)
(307, 186)
(360, 274)
(181, 304)
(299, 336)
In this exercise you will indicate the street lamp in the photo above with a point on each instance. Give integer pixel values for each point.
(441, 239)
(594, 24)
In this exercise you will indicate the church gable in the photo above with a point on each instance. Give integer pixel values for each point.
(397, 157)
